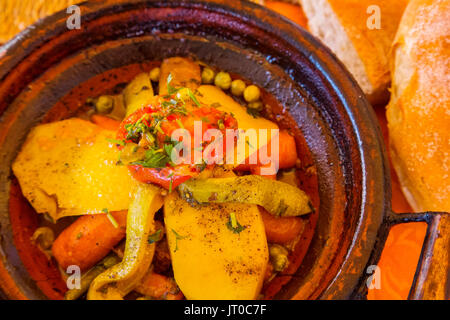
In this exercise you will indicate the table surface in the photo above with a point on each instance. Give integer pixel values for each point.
(402, 250)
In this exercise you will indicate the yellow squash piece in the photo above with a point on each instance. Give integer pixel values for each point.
(69, 168)
(209, 259)
(213, 96)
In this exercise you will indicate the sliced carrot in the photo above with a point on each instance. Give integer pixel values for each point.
(105, 122)
(89, 239)
(257, 171)
(158, 286)
(287, 150)
(281, 230)
(287, 154)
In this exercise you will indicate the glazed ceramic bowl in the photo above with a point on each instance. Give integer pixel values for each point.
(336, 130)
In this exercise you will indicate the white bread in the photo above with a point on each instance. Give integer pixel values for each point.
(342, 26)
(419, 111)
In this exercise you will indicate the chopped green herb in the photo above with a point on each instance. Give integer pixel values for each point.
(254, 113)
(168, 148)
(155, 237)
(171, 90)
(177, 237)
(158, 127)
(193, 98)
(110, 218)
(220, 124)
(201, 166)
(234, 225)
(216, 105)
(179, 123)
(136, 130)
(153, 159)
(282, 207)
(171, 182)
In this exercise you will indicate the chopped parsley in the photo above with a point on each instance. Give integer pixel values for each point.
(193, 98)
(154, 158)
(158, 157)
(254, 113)
(171, 182)
(201, 166)
(136, 130)
(171, 90)
(220, 124)
(155, 237)
(115, 141)
(281, 209)
(177, 237)
(234, 225)
(111, 218)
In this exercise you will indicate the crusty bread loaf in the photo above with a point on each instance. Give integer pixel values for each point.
(419, 110)
(343, 26)
(16, 15)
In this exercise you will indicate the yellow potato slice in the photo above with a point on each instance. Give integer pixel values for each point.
(212, 95)
(209, 260)
(69, 168)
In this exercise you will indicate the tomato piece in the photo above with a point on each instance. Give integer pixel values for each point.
(171, 176)
(165, 177)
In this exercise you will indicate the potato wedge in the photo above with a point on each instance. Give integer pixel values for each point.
(69, 168)
(210, 258)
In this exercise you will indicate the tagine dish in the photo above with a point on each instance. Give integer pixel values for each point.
(181, 185)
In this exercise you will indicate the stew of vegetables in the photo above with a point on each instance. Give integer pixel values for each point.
(177, 187)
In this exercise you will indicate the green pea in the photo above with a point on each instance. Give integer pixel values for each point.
(104, 104)
(279, 257)
(237, 87)
(257, 105)
(252, 93)
(154, 74)
(223, 80)
(208, 75)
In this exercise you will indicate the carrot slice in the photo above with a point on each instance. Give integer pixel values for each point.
(281, 230)
(287, 154)
(89, 239)
(158, 286)
(105, 122)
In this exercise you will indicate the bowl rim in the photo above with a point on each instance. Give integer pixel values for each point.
(372, 151)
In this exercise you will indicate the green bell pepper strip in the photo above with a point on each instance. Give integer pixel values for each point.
(278, 198)
(119, 280)
(90, 275)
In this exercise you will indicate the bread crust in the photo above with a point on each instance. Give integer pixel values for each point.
(372, 45)
(419, 111)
